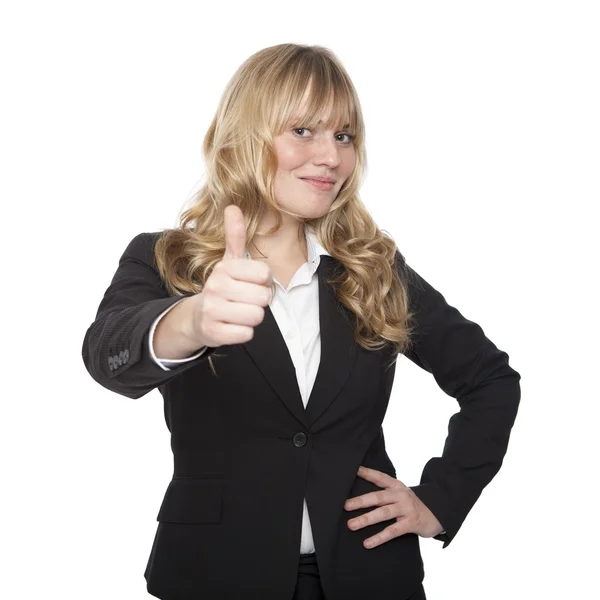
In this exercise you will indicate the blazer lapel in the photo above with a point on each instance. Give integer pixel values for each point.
(269, 352)
(338, 348)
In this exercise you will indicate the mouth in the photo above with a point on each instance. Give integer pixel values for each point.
(320, 185)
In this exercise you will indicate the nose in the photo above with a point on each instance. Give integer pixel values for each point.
(326, 152)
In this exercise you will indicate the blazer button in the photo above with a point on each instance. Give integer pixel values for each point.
(299, 439)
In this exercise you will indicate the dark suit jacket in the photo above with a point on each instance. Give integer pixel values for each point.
(247, 452)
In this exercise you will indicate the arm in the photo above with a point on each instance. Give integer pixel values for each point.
(469, 367)
(116, 349)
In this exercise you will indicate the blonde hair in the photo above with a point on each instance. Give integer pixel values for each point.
(241, 164)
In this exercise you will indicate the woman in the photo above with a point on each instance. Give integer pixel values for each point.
(270, 320)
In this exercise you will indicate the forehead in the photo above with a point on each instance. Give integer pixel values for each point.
(320, 110)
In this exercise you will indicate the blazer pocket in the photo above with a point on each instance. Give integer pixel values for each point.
(192, 501)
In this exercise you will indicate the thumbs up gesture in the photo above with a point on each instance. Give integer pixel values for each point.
(232, 301)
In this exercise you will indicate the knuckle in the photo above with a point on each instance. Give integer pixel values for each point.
(395, 530)
(260, 314)
(211, 285)
(209, 309)
(266, 272)
(220, 267)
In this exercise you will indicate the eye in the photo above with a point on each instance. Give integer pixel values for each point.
(301, 129)
(348, 140)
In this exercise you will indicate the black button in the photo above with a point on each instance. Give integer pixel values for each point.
(299, 439)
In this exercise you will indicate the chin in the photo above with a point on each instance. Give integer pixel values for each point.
(316, 213)
(311, 208)
(315, 209)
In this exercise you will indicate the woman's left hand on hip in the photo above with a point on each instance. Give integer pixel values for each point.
(394, 501)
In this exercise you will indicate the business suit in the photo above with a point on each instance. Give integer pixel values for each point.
(246, 451)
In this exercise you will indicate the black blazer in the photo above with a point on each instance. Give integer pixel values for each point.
(247, 452)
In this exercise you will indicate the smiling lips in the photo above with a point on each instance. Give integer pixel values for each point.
(321, 183)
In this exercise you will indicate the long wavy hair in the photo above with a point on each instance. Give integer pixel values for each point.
(241, 164)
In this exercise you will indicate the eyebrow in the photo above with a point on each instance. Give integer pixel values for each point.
(345, 126)
(296, 117)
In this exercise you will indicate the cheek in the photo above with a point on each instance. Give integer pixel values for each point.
(348, 163)
(291, 157)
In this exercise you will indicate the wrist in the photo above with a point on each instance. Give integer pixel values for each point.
(187, 322)
(175, 337)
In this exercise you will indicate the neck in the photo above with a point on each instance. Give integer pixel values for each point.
(284, 246)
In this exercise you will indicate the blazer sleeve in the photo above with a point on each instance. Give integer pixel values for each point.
(115, 348)
(469, 367)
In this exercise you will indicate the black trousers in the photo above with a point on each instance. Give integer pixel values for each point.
(308, 585)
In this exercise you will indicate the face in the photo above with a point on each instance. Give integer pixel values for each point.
(312, 166)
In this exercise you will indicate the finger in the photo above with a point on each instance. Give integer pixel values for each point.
(229, 334)
(377, 498)
(249, 293)
(381, 497)
(392, 531)
(384, 513)
(235, 232)
(238, 313)
(251, 271)
(378, 477)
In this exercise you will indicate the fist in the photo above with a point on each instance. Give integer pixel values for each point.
(232, 301)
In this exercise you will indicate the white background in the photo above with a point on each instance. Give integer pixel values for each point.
(483, 137)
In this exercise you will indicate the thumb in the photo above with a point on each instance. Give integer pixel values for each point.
(235, 232)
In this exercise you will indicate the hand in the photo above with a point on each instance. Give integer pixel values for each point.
(232, 300)
(394, 501)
